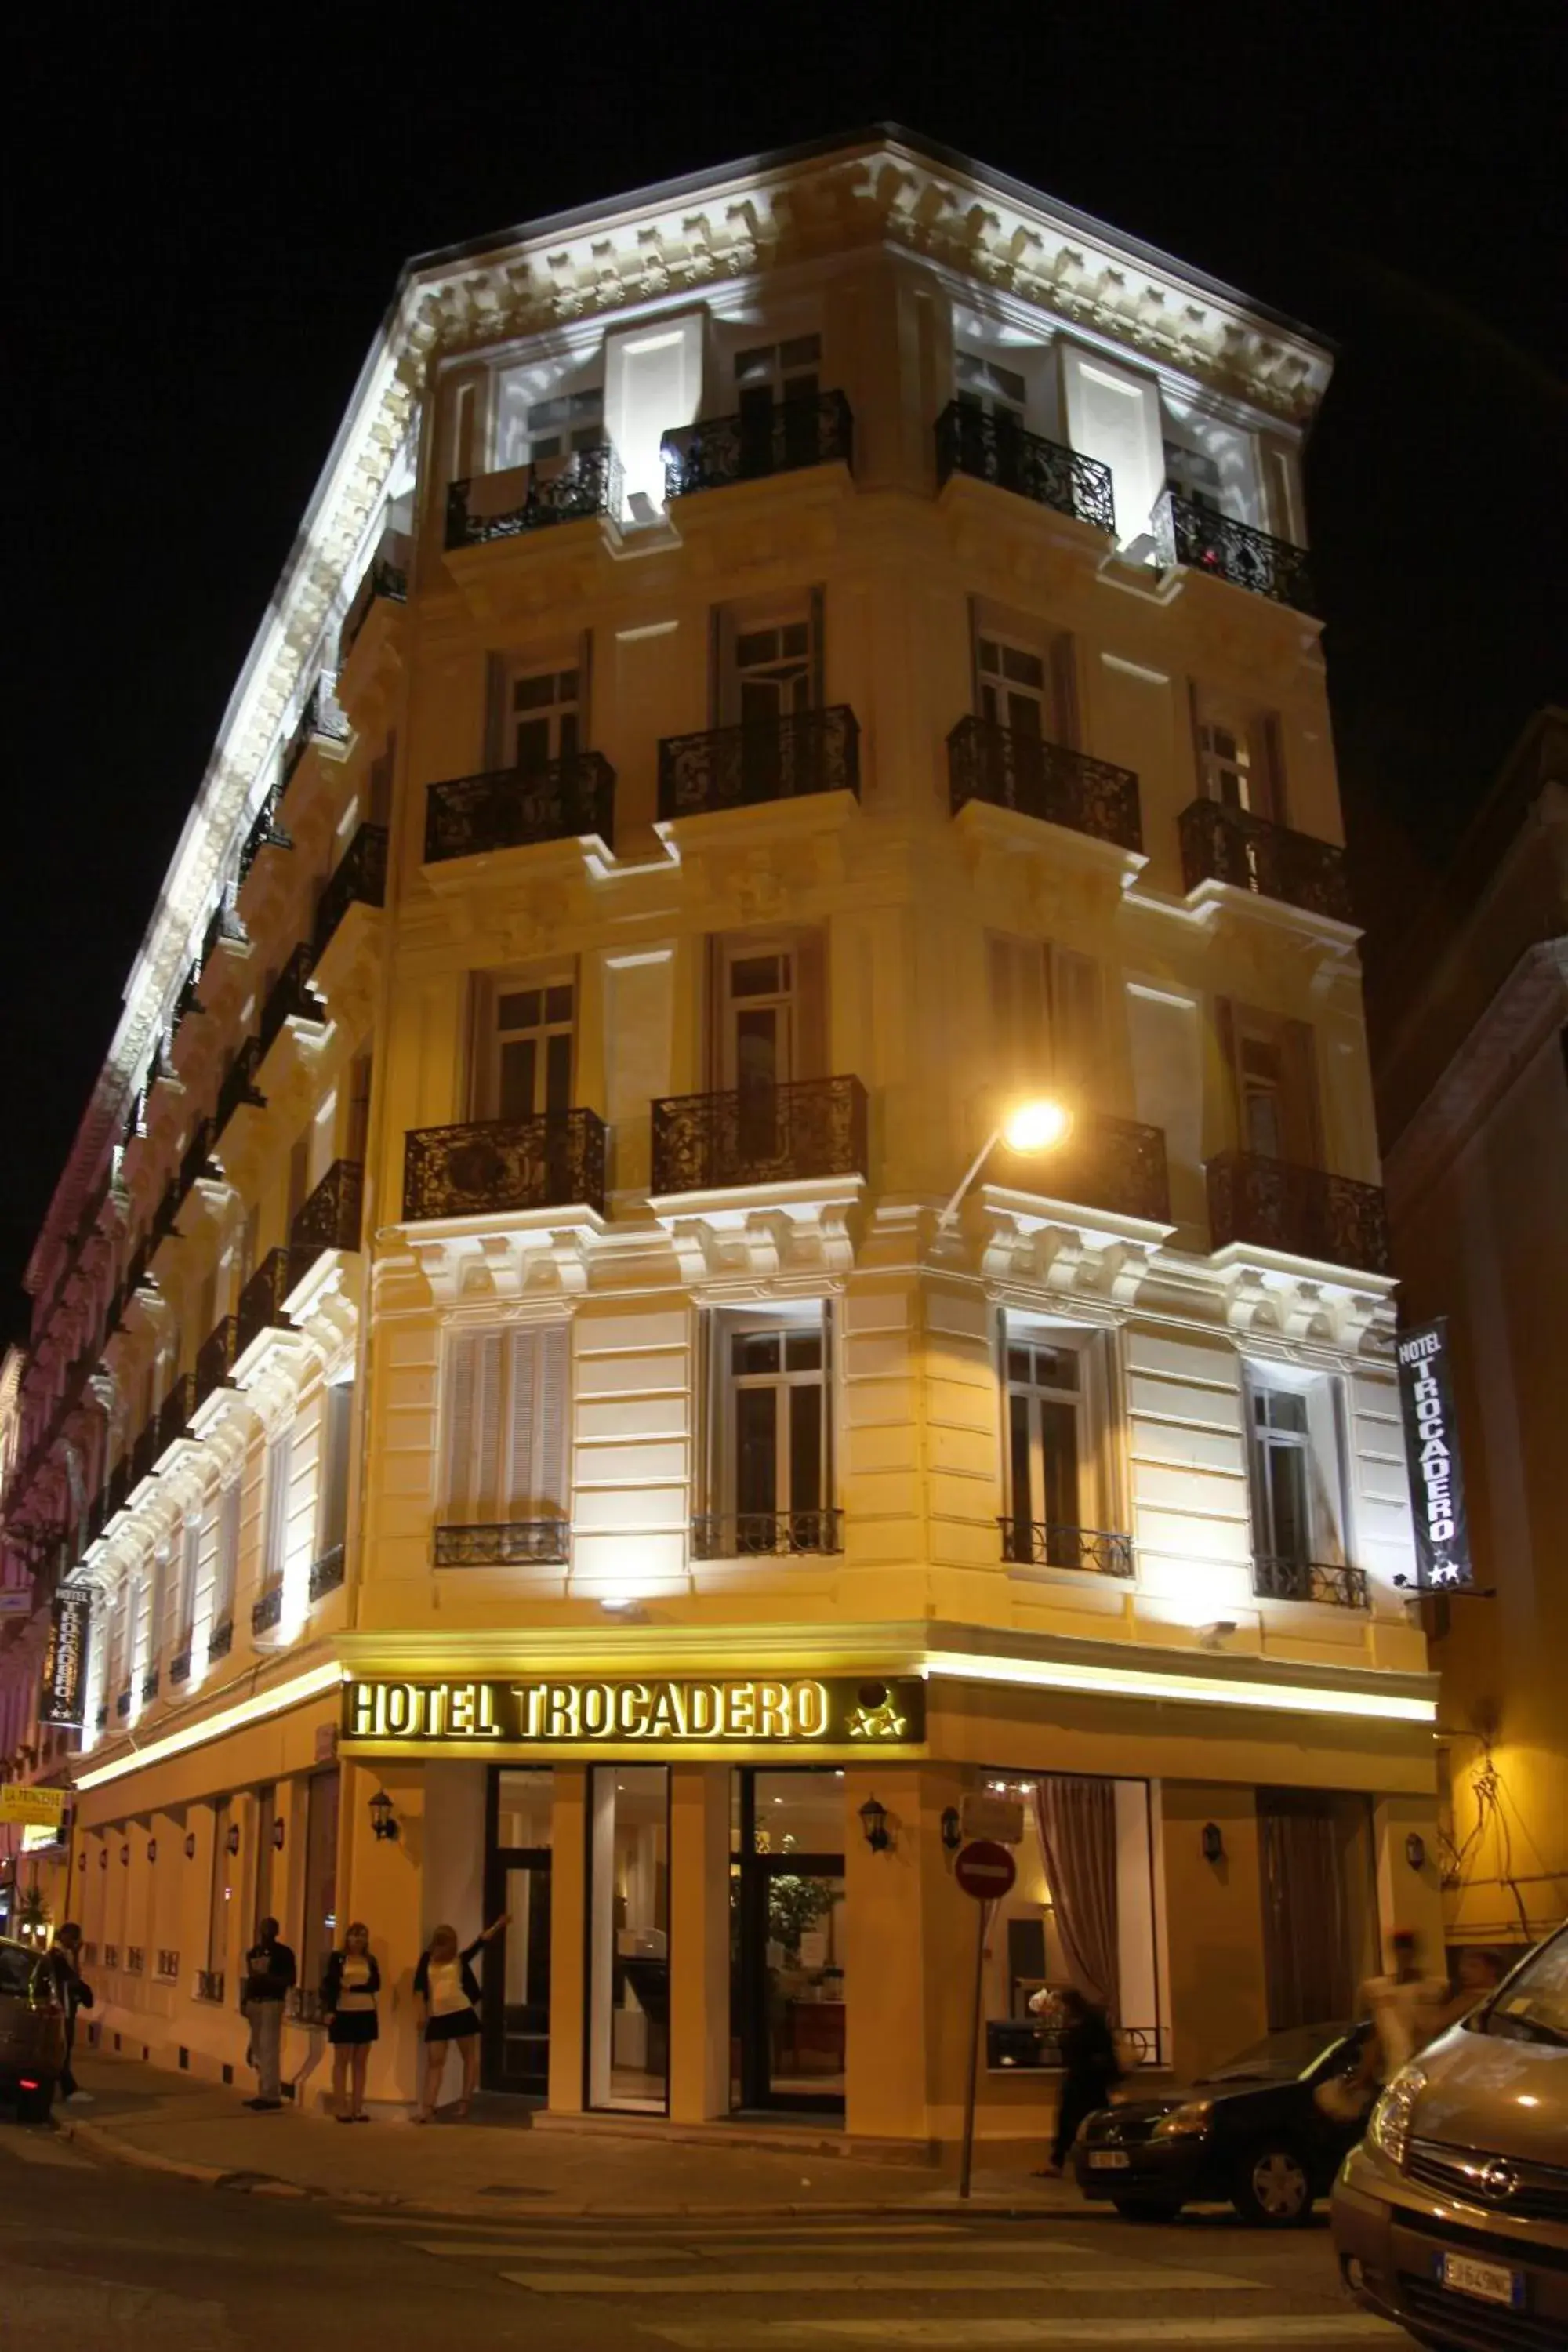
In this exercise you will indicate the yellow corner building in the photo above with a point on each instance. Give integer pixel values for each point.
(733, 1228)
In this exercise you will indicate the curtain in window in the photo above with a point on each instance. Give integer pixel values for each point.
(1076, 1821)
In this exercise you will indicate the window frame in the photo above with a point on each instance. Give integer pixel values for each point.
(723, 1327)
(1100, 1478)
(1321, 1446)
(486, 1061)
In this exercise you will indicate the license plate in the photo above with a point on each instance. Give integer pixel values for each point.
(1109, 2160)
(1490, 2282)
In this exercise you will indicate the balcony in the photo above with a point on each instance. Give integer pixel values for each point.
(215, 1357)
(358, 878)
(766, 1535)
(512, 808)
(168, 1964)
(556, 1161)
(480, 510)
(220, 1640)
(320, 721)
(122, 1702)
(1301, 1211)
(265, 833)
(290, 998)
(149, 1687)
(329, 1219)
(209, 1985)
(746, 767)
(267, 1611)
(385, 577)
(327, 1573)
(238, 1090)
(1187, 533)
(511, 1543)
(174, 1415)
(144, 1453)
(260, 1307)
(782, 440)
(763, 1135)
(1309, 1579)
(180, 1664)
(1012, 771)
(1115, 1164)
(1231, 845)
(990, 449)
(1039, 1543)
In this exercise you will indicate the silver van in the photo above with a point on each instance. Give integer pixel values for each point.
(1452, 2215)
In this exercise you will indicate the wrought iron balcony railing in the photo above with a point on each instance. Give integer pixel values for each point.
(261, 1304)
(772, 1534)
(220, 1640)
(1106, 1164)
(508, 1543)
(122, 1702)
(144, 1453)
(268, 1611)
(1309, 1579)
(986, 762)
(760, 1135)
(149, 1687)
(320, 721)
(168, 1963)
(209, 1985)
(175, 1414)
(1186, 532)
(359, 877)
(1227, 844)
(554, 1160)
(791, 434)
(327, 1573)
(215, 1357)
(1040, 1543)
(112, 1956)
(290, 998)
(239, 1089)
(266, 832)
(135, 1959)
(992, 449)
(513, 807)
(180, 1664)
(384, 577)
(746, 767)
(1303, 1212)
(589, 483)
(329, 1219)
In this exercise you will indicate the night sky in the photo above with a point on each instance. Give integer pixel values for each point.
(207, 211)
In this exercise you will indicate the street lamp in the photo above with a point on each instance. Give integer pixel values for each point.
(1040, 1123)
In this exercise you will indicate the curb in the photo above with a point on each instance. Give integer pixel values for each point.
(104, 2142)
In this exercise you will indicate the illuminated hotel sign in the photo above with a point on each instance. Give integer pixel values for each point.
(1432, 1454)
(655, 1710)
(65, 1660)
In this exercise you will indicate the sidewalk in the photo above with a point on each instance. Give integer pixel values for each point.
(502, 2160)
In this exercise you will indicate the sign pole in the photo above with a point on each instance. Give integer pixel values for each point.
(972, 2088)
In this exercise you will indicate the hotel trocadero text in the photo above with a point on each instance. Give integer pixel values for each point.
(655, 1708)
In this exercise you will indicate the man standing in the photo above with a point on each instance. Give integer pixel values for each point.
(269, 1971)
(74, 1993)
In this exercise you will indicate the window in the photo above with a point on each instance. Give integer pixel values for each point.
(770, 1455)
(222, 1892)
(567, 422)
(321, 1792)
(769, 373)
(1012, 682)
(1046, 1016)
(332, 1516)
(1058, 1479)
(275, 1520)
(1043, 1439)
(266, 1819)
(628, 1948)
(985, 384)
(770, 1003)
(1273, 1083)
(505, 1448)
(185, 1596)
(227, 1571)
(1193, 475)
(773, 672)
(1239, 759)
(542, 717)
(1294, 1460)
(530, 1036)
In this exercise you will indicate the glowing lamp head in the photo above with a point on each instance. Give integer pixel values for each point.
(1037, 1126)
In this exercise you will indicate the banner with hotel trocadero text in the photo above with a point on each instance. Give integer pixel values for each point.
(64, 1685)
(1432, 1455)
(645, 1711)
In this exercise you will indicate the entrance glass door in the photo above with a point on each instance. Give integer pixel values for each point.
(787, 1951)
(514, 2014)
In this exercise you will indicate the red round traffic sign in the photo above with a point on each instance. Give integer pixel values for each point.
(985, 1870)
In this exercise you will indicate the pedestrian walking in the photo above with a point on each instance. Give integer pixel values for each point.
(350, 1982)
(1407, 2008)
(1090, 2071)
(446, 1984)
(73, 1992)
(1477, 1971)
(269, 1973)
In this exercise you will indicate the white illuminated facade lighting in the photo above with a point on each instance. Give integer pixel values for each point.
(254, 1709)
(1198, 1690)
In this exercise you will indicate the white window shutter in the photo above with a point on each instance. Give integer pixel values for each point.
(555, 1404)
(487, 1487)
(518, 1471)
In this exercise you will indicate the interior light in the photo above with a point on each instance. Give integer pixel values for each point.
(1035, 1126)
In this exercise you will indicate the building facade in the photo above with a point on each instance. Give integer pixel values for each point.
(777, 671)
(1472, 1082)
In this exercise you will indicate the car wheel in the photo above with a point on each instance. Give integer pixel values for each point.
(33, 2106)
(1272, 2189)
(1145, 2208)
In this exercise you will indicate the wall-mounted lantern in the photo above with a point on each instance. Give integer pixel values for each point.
(874, 1822)
(278, 1833)
(1415, 1850)
(383, 1819)
(231, 1843)
(152, 1849)
(1213, 1842)
(190, 1845)
(103, 1857)
(125, 1855)
(952, 1829)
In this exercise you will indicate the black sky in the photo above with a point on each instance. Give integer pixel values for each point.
(207, 210)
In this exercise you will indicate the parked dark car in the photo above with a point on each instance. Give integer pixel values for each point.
(32, 2030)
(1250, 2132)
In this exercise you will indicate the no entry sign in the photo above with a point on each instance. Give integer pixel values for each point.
(985, 1870)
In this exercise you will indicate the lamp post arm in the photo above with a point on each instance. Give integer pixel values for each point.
(969, 1173)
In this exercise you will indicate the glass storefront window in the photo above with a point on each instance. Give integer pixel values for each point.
(516, 2007)
(222, 1888)
(628, 2007)
(321, 1877)
(788, 1949)
(523, 1802)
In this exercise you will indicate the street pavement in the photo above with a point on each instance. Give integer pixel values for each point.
(105, 2257)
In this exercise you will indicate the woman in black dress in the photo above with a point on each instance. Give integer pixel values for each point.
(448, 1989)
(350, 1983)
(1090, 2071)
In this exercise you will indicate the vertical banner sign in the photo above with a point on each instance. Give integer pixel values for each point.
(65, 1661)
(1432, 1457)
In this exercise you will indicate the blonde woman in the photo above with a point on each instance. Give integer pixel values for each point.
(449, 1991)
(350, 1983)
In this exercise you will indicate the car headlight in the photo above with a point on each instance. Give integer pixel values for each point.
(1188, 2122)
(1389, 2128)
